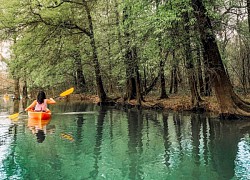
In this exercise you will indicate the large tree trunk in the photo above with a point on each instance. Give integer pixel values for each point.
(248, 14)
(100, 89)
(174, 76)
(25, 91)
(130, 73)
(133, 84)
(162, 62)
(174, 81)
(16, 88)
(133, 87)
(195, 95)
(161, 72)
(230, 103)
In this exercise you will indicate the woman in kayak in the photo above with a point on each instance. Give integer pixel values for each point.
(40, 104)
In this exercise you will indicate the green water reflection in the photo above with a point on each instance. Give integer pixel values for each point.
(107, 143)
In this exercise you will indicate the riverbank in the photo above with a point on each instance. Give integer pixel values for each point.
(173, 102)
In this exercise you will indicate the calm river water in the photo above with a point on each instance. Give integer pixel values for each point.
(89, 142)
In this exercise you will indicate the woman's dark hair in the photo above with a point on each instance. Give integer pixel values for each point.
(40, 136)
(40, 97)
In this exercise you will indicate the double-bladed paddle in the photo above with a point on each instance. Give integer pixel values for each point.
(65, 93)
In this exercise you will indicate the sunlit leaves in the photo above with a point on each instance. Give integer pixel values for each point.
(44, 38)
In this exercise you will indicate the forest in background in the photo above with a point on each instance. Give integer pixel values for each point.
(131, 49)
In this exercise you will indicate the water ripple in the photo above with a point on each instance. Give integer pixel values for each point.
(242, 162)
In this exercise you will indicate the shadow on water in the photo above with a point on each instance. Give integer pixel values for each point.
(98, 141)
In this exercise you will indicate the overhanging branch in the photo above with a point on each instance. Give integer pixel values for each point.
(64, 24)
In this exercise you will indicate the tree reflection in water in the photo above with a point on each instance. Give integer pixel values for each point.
(133, 144)
(98, 142)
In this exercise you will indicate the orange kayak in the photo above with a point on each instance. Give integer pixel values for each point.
(39, 115)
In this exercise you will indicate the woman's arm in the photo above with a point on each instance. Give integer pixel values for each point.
(51, 101)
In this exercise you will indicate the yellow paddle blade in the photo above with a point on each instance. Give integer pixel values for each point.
(13, 116)
(15, 119)
(67, 92)
(67, 136)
